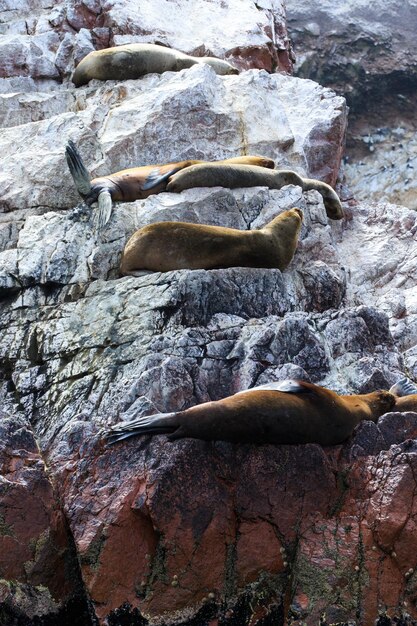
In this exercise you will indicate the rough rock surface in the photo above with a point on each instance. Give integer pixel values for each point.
(168, 118)
(190, 533)
(366, 53)
(356, 48)
(382, 153)
(38, 564)
(43, 40)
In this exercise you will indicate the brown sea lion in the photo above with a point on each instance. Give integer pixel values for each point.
(232, 176)
(166, 246)
(288, 412)
(405, 392)
(132, 184)
(137, 59)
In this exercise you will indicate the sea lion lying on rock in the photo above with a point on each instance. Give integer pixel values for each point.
(132, 184)
(137, 59)
(233, 176)
(166, 246)
(287, 412)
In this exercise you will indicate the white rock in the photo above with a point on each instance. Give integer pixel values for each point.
(188, 114)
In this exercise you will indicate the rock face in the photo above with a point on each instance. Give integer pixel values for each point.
(44, 39)
(366, 54)
(357, 49)
(191, 533)
(38, 563)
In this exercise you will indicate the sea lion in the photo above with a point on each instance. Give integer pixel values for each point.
(137, 59)
(166, 246)
(232, 176)
(289, 412)
(132, 184)
(405, 392)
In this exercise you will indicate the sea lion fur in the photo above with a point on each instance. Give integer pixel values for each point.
(304, 413)
(165, 246)
(134, 60)
(233, 176)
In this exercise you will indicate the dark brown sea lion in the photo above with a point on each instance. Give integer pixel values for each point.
(166, 246)
(405, 392)
(232, 176)
(137, 59)
(288, 412)
(132, 184)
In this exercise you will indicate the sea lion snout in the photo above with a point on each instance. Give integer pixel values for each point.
(299, 212)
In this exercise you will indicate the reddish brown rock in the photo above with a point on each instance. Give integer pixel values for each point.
(213, 529)
(38, 568)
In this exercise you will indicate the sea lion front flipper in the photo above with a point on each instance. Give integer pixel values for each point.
(285, 386)
(404, 387)
(103, 212)
(157, 177)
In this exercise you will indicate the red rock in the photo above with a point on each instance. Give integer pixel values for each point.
(36, 557)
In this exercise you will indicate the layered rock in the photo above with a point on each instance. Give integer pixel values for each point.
(190, 533)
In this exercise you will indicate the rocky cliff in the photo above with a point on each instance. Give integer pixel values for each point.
(191, 533)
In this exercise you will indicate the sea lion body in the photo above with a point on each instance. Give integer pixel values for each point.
(406, 403)
(166, 246)
(234, 176)
(134, 60)
(307, 414)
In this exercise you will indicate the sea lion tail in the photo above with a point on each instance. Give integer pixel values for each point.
(157, 424)
(404, 387)
(78, 170)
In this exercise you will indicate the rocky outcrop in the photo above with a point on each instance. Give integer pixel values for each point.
(190, 533)
(43, 40)
(246, 533)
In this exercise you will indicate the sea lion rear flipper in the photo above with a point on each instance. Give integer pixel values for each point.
(285, 386)
(404, 387)
(159, 423)
(103, 212)
(78, 170)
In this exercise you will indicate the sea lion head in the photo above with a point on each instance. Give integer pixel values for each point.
(381, 402)
(293, 218)
(295, 211)
(221, 67)
(333, 207)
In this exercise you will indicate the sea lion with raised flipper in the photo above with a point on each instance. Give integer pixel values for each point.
(132, 184)
(166, 246)
(288, 412)
(405, 392)
(137, 59)
(233, 176)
